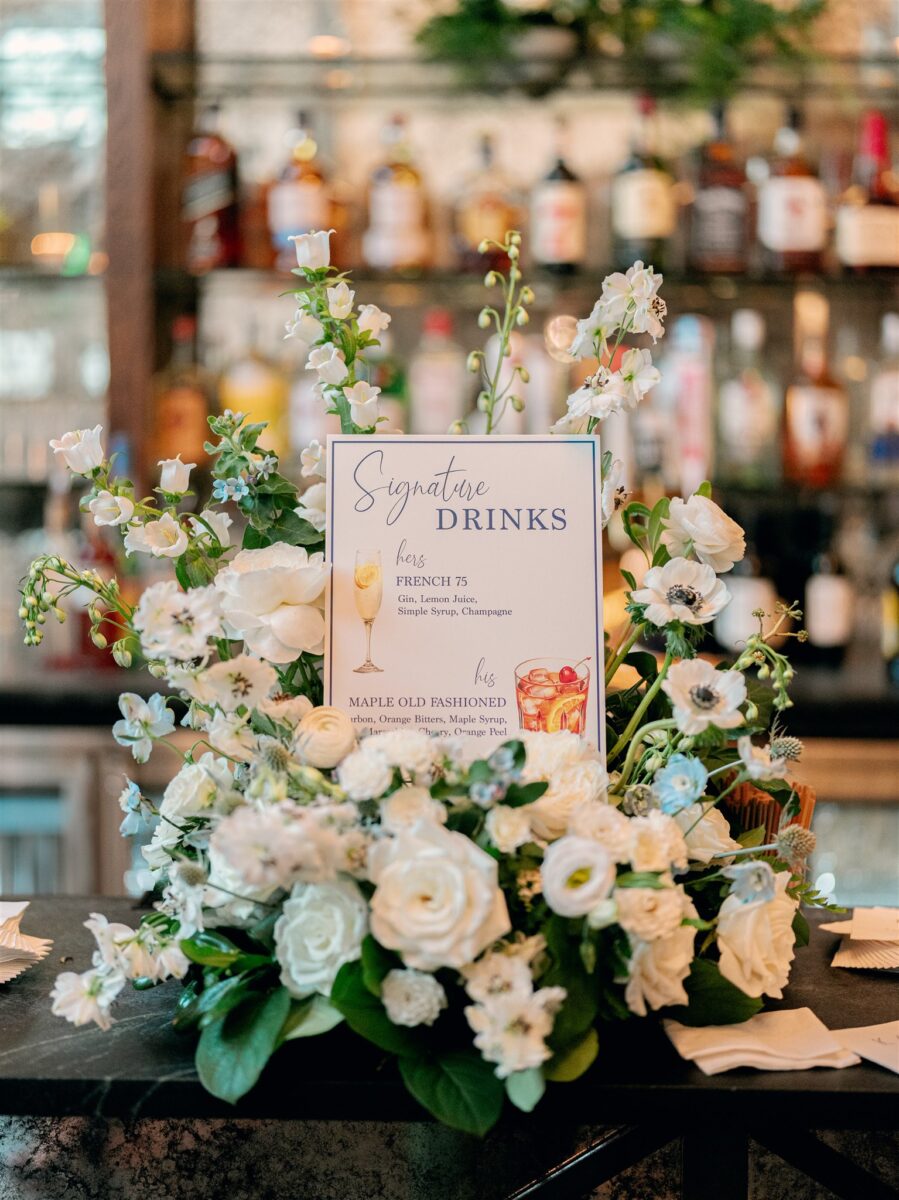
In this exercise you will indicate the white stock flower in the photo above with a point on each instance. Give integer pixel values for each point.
(312, 506)
(437, 899)
(313, 249)
(638, 375)
(273, 599)
(86, 997)
(329, 362)
(218, 522)
(412, 998)
(165, 538)
(363, 400)
(409, 805)
(230, 734)
(758, 763)
(512, 1032)
(657, 843)
(340, 301)
(231, 899)
(681, 590)
(547, 753)
(177, 625)
(508, 828)
(412, 750)
(756, 941)
(321, 927)
(573, 784)
(324, 737)
(193, 792)
(649, 913)
(372, 320)
(365, 774)
(174, 475)
(614, 493)
(698, 526)
(659, 967)
(312, 459)
(499, 974)
(577, 874)
(702, 696)
(243, 681)
(272, 847)
(107, 509)
(303, 328)
(604, 824)
(80, 449)
(142, 721)
(289, 710)
(706, 832)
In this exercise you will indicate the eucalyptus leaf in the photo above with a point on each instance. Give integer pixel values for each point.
(525, 1088)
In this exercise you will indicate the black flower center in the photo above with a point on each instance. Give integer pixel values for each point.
(184, 618)
(703, 696)
(240, 685)
(682, 594)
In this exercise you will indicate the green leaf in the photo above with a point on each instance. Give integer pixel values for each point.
(571, 1064)
(458, 1088)
(713, 1000)
(629, 580)
(640, 879)
(525, 1088)
(365, 1015)
(310, 1018)
(526, 793)
(479, 771)
(800, 928)
(233, 1050)
(210, 949)
(705, 489)
(644, 664)
(656, 525)
(376, 962)
(567, 970)
(213, 1002)
(752, 837)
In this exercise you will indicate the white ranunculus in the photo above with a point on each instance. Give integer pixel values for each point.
(363, 400)
(312, 506)
(80, 449)
(218, 522)
(756, 941)
(698, 526)
(340, 300)
(273, 598)
(649, 913)
(165, 538)
(681, 590)
(508, 828)
(437, 899)
(577, 874)
(372, 320)
(412, 997)
(312, 459)
(604, 824)
(324, 737)
(657, 843)
(107, 509)
(365, 774)
(702, 696)
(177, 625)
(174, 475)
(313, 249)
(706, 832)
(243, 681)
(321, 927)
(289, 710)
(329, 362)
(614, 492)
(409, 805)
(576, 783)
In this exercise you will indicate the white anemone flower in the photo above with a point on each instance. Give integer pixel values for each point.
(681, 590)
(702, 696)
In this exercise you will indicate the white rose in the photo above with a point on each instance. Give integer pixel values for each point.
(164, 538)
(273, 598)
(407, 806)
(313, 249)
(80, 449)
(509, 828)
(228, 893)
(756, 941)
(289, 710)
(547, 753)
(320, 928)
(605, 824)
(577, 874)
(437, 900)
(412, 997)
(706, 833)
(365, 774)
(700, 527)
(649, 913)
(175, 474)
(107, 509)
(324, 737)
(658, 968)
(657, 843)
(576, 783)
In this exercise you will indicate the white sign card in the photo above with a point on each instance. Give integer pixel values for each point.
(465, 593)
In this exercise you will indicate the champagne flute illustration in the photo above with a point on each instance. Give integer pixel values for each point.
(368, 589)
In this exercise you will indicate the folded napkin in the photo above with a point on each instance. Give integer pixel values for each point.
(870, 939)
(793, 1040)
(879, 1043)
(17, 951)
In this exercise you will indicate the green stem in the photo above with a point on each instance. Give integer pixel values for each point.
(634, 723)
(630, 759)
(622, 652)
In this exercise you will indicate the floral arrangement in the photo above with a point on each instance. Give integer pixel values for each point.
(480, 912)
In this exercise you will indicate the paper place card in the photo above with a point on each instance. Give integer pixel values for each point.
(465, 593)
(868, 925)
(879, 1043)
(871, 955)
(17, 951)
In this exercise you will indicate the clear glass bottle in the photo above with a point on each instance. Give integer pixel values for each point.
(438, 380)
(750, 401)
(816, 413)
(644, 208)
(397, 237)
(299, 201)
(559, 214)
(486, 207)
(719, 217)
(792, 220)
(867, 237)
(883, 405)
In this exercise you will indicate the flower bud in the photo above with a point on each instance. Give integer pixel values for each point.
(41, 618)
(514, 273)
(60, 614)
(121, 654)
(98, 639)
(458, 427)
(513, 252)
(524, 375)
(491, 279)
(517, 403)
(764, 672)
(752, 711)
(527, 295)
(483, 319)
(513, 237)
(473, 362)
(483, 247)
(156, 669)
(23, 613)
(521, 317)
(483, 401)
(654, 762)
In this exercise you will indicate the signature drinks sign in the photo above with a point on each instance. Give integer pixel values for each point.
(465, 591)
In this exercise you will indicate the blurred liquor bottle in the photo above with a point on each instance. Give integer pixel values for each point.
(719, 218)
(209, 207)
(300, 200)
(397, 237)
(254, 385)
(486, 208)
(386, 371)
(867, 236)
(816, 418)
(559, 213)
(750, 400)
(830, 607)
(644, 207)
(438, 380)
(883, 410)
(890, 628)
(183, 398)
(792, 205)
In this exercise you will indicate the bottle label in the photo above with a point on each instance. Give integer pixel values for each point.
(817, 424)
(885, 402)
(643, 205)
(747, 418)
(719, 223)
(868, 235)
(181, 425)
(483, 217)
(396, 235)
(792, 214)
(559, 222)
(829, 610)
(296, 207)
(207, 193)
